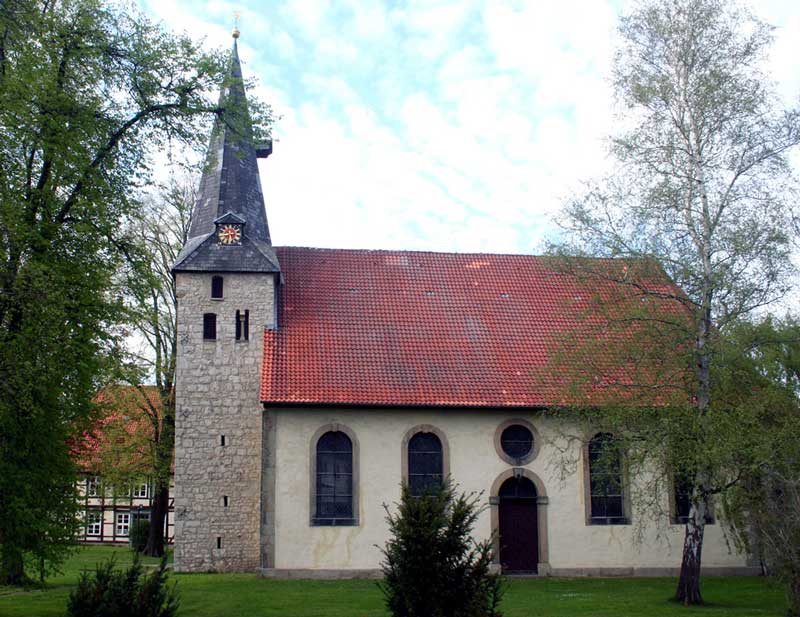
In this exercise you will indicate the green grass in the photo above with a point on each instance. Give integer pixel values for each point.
(246, 595)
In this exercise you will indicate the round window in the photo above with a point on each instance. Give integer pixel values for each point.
(517, 441)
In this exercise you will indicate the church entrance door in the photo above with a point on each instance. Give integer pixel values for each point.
(519, 529)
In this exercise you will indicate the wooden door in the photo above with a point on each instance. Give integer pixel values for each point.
(519, 530)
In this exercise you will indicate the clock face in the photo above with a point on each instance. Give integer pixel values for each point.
(229, 234)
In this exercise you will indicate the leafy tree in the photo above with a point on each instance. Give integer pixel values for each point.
(764, 508)
(88, 91)
(702, 195)
(432, 567)
(157, 235)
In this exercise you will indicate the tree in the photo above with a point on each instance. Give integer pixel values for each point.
(160, 232)
(702, 189)
(432, 566)
(764, 508)
(129, 592)
(88, 91)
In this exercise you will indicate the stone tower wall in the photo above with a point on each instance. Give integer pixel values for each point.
(217, 393)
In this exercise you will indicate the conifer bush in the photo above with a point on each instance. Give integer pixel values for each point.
(124, 593)
(140, 529)
(432, 566)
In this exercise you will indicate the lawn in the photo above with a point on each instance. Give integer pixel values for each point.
(246, 595)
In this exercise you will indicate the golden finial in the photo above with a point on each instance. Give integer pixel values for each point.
(236, 16)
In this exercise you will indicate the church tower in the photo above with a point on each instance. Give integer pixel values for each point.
(226, 279)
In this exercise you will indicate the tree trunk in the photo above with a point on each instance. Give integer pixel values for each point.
(688, 591)
(158, 516)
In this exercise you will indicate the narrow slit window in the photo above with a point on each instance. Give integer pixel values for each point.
(216, 287)
(219, 541)
(222, 440)
(209, 326)
(225, 501)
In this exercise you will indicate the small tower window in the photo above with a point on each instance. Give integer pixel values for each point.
(216, 287)
(209, 326)
(242, 325)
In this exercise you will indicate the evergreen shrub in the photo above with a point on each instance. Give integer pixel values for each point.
(432, 566)
(140, 529)
(124, 593)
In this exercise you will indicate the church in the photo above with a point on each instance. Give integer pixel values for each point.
(311, 383)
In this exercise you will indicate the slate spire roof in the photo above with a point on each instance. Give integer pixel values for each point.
(230, 185)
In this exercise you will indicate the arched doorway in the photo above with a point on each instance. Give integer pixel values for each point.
(518, 525)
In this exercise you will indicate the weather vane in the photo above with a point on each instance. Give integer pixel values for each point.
(236, 16)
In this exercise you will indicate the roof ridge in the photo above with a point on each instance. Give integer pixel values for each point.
(407, 251)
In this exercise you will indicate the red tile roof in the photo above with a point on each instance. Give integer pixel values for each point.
(421, 329)
(123, 423)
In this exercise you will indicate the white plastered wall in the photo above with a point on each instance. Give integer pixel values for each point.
(573, 546)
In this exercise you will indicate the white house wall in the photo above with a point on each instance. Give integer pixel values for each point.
(572, 546)
(108, 506)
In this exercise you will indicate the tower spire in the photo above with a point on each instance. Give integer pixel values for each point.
(230, 189)
(235, 33)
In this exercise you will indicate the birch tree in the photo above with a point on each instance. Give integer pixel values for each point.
(703, 189)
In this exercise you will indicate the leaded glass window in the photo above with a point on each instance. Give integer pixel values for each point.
(605, 481)
(334, 498)
(517, 441)
(425, 463)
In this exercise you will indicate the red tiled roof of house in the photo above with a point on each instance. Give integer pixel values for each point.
(422, 329)
(125, 416)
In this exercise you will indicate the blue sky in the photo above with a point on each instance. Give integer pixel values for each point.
(448, 125)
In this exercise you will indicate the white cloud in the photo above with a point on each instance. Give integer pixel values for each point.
(437, 125)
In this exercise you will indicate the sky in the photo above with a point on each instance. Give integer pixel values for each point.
(441, 125)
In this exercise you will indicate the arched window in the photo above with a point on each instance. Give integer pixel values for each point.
(216, 287)
(606, 491)
(425, 462)
(334, 495)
